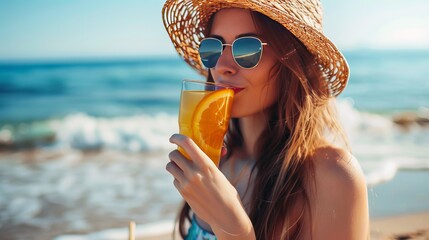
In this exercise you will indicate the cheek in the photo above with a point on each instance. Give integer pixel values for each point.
(267, 87)
(253, 100)
(260, 92)
(266, 95)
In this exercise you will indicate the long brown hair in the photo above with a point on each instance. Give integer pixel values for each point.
(297, 124)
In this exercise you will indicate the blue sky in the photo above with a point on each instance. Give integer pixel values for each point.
(132, 28)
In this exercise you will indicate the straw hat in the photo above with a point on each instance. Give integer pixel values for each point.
(185, 21)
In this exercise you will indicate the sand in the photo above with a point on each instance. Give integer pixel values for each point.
(409, 226)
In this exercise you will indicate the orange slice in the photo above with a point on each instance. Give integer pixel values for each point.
(210, 122)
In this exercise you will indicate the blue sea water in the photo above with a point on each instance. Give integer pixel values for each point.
(388, 81)
(105, 88)
(124, 110)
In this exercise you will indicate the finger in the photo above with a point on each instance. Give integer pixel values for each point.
(177, 173)
(177, 185)
(184, 164)
(191, 148)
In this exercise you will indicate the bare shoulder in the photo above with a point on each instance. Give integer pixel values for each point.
(337, 167)
(338, 197)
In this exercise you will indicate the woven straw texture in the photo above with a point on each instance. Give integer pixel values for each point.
(185, 21)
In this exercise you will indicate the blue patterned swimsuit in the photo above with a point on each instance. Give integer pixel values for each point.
(196, 232)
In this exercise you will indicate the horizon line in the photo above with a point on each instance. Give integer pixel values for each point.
(101, 58)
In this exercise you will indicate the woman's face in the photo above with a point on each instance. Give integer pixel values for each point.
(258, 89)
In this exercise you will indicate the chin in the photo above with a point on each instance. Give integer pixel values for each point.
(239, 114)
(236, 113)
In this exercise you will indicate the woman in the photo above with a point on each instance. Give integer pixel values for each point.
(287, 172)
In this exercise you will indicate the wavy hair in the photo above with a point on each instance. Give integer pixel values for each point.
(301, 119)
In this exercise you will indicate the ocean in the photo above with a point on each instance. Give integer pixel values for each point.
(84, 143)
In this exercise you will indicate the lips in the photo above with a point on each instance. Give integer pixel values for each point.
(230, 85)
(237, 90)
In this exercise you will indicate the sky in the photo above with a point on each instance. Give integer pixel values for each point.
(133, 28)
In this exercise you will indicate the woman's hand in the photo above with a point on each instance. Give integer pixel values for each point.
(207, 191)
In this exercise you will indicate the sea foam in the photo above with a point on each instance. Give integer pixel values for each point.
(134, 133)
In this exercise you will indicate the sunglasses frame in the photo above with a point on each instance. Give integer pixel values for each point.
(232, 49)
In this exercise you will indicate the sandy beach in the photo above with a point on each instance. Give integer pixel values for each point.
(409, 226)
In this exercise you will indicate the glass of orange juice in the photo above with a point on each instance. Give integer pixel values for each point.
(204, 115)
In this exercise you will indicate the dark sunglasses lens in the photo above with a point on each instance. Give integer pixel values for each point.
(210, 50)
(247, 52)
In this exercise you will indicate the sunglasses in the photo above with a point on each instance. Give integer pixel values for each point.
(246, 51)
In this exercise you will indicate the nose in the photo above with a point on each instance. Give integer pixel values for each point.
(226, 65)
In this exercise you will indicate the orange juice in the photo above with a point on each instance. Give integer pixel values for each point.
(188, 102)
(204, 117)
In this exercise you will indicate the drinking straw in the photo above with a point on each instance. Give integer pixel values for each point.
(131, 230)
